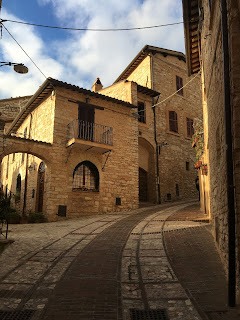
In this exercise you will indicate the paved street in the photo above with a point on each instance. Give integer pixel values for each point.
(141, 264)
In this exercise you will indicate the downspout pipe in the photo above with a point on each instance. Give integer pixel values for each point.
(157, 163)
(229, 161)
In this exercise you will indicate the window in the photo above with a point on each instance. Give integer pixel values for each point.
(173, 121)
(190, 129)
(179, 85)
(177, 190)
(13, 157)
(141, 112)
(210, 4)
(18, 186)
(23, 156)
(86, 177)
(187, 166)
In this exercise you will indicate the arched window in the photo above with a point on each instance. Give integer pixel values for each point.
(18, 186)
(86, 177)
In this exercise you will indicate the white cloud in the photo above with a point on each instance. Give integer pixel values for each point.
(13, 84)
(83, 56)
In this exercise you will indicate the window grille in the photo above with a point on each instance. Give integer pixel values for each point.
(141, 112)
(179, 85)
(173, 121)
(86, 176)
(190, 129)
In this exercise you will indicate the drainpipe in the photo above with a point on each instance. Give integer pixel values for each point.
(26, 173)
(157, 164)
(229, 161)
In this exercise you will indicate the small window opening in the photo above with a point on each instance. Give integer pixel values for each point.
(141, 112)
(13, 157)
(18, 186)
(169, 196)
(190, 129)
(177, 190)
(173, 121)
(179, 85)
(187, 166)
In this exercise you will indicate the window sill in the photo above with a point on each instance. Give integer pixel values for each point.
(174, 133)
(85, 190)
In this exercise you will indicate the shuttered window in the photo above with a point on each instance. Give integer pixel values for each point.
(190, 129)
(179, 85)
(141, 112)
(173, 121)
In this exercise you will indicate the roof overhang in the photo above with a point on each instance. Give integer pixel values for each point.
(147, 91)
(45, 90)
(142, 55)
(192, 43)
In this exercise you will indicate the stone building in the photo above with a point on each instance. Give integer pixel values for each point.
(166, 158)
(212, 33)
(71, 151)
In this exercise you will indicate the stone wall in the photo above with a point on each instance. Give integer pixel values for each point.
(9, 108)
(159, 73)
(118, 175)
(215, 145)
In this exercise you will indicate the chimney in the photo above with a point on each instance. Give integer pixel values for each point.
(97, 85)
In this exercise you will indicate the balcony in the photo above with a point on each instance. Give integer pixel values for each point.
(89, 136)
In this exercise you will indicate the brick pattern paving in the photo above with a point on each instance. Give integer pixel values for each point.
(91, 286)
(197, 264)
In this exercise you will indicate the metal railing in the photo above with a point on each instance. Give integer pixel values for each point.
(90, 131)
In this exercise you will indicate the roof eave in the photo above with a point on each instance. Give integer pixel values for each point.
(30, 101)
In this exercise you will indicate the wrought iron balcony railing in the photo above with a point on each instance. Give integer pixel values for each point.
(89, 131)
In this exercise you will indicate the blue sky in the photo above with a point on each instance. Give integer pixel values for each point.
(79, 57)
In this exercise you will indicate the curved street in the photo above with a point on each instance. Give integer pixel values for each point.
(157, 262)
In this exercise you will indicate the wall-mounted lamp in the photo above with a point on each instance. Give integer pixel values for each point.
(163, 144)
(18, 67)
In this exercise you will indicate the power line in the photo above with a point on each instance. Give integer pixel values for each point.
(92, 29)
(23, 49)
(176, 91)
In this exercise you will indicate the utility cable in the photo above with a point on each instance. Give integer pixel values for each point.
(176, 91)
(23, 49)
(92, 29)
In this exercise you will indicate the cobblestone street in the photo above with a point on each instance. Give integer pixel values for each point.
(110, 266)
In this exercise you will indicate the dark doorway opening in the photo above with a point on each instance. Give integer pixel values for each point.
(143, 182)
(40, 187)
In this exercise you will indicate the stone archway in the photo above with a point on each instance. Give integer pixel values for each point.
(147, 180)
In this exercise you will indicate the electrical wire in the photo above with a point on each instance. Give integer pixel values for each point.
(176, 91)
(93, 29)
(23, 49)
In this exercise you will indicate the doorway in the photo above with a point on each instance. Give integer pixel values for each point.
(40, 187)
(86, 123)
(143, 182)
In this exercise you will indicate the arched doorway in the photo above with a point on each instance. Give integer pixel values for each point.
(146, 165)
(40, 187)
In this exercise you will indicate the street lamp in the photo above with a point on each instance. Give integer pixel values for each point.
(18, 67)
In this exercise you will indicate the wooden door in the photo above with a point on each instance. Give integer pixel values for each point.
(86, 123)
(41, 177)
